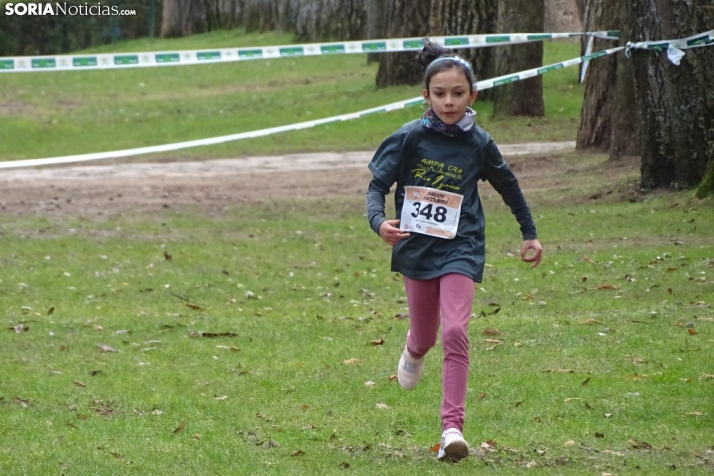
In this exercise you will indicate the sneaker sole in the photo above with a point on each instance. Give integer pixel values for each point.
(456, 451)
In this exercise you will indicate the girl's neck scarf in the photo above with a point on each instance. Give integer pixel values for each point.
(431, 121)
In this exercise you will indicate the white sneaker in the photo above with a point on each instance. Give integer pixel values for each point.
(453, 446)
(410, 370)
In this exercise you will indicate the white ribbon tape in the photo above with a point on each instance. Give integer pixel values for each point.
(481, 85)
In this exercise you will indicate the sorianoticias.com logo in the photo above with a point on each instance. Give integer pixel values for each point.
(63, 8)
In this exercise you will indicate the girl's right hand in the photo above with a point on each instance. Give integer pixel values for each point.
(389, 231)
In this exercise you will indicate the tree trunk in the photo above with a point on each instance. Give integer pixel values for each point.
(404, 19)
(675, 103)
(625, 127)
(607, 119)
(376, 24)
(336, 20)
(176, 18)
(468, 17)
(521, 98)
(596, 113)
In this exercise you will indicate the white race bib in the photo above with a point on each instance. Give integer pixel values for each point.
(431, 212)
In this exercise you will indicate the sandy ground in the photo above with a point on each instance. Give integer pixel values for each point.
(114, 188)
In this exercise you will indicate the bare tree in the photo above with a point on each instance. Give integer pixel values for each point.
(376, 23)
(404, 19)
(463, 17)
(521, 98)
(675, 104)
(319, 20)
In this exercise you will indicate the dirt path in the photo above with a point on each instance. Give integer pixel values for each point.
(114, 188)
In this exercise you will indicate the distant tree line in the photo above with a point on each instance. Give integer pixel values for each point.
(32, 35)
(640, 106)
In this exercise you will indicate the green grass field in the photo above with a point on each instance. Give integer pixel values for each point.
(65, 113)
(265, 340)
(251, 349)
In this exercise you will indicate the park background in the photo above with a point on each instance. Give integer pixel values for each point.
(221, 319)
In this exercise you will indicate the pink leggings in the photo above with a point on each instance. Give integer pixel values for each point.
(455, 293)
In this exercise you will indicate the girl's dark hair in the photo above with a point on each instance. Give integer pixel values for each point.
(432, 52)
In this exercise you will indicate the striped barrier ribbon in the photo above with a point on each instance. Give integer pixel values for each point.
(85, 62)
(674, 47)
(486, 84)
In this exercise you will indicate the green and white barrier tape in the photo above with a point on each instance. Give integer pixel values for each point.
(674, 47)
(487, 84)
(85, 62)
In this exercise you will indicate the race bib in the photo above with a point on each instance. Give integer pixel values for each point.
(431, 212)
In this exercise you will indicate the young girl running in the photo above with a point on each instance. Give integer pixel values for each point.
(438, 236)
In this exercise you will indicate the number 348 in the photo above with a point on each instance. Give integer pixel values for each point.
(439, 213)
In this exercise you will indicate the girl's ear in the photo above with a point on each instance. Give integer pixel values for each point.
(425, 93)
(473, 95)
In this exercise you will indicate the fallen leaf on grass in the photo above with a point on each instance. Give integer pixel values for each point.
(569, 399)
(531, 464)
(98, 328)
(489, 331)
(696, 413)
(494, 341)
(569, 443)
(224, 397)
(298, 453)
(591, 321)
(641, 445)
(19, 329)
(607, 287)
(435, 448)
(106, 348)
(180, 428)
(638, 360)
(608, 474)
(487, 446)
(353, 360)
(706, 376)
(377, 342)
(196, 436)
(585, 382)
(79, 384)
(608, 415)
(392, 377)
(195, 307)
(382, 406)
(273, 444)
(559, 371)
(481, 396)
(491, 443)
(692, 332)
(212, 335)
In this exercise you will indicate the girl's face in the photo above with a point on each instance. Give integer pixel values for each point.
(449, 95)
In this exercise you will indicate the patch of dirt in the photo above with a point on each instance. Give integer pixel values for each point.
(544, 170)
(15, 108)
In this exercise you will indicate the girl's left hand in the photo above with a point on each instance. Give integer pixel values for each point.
(537, 252)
